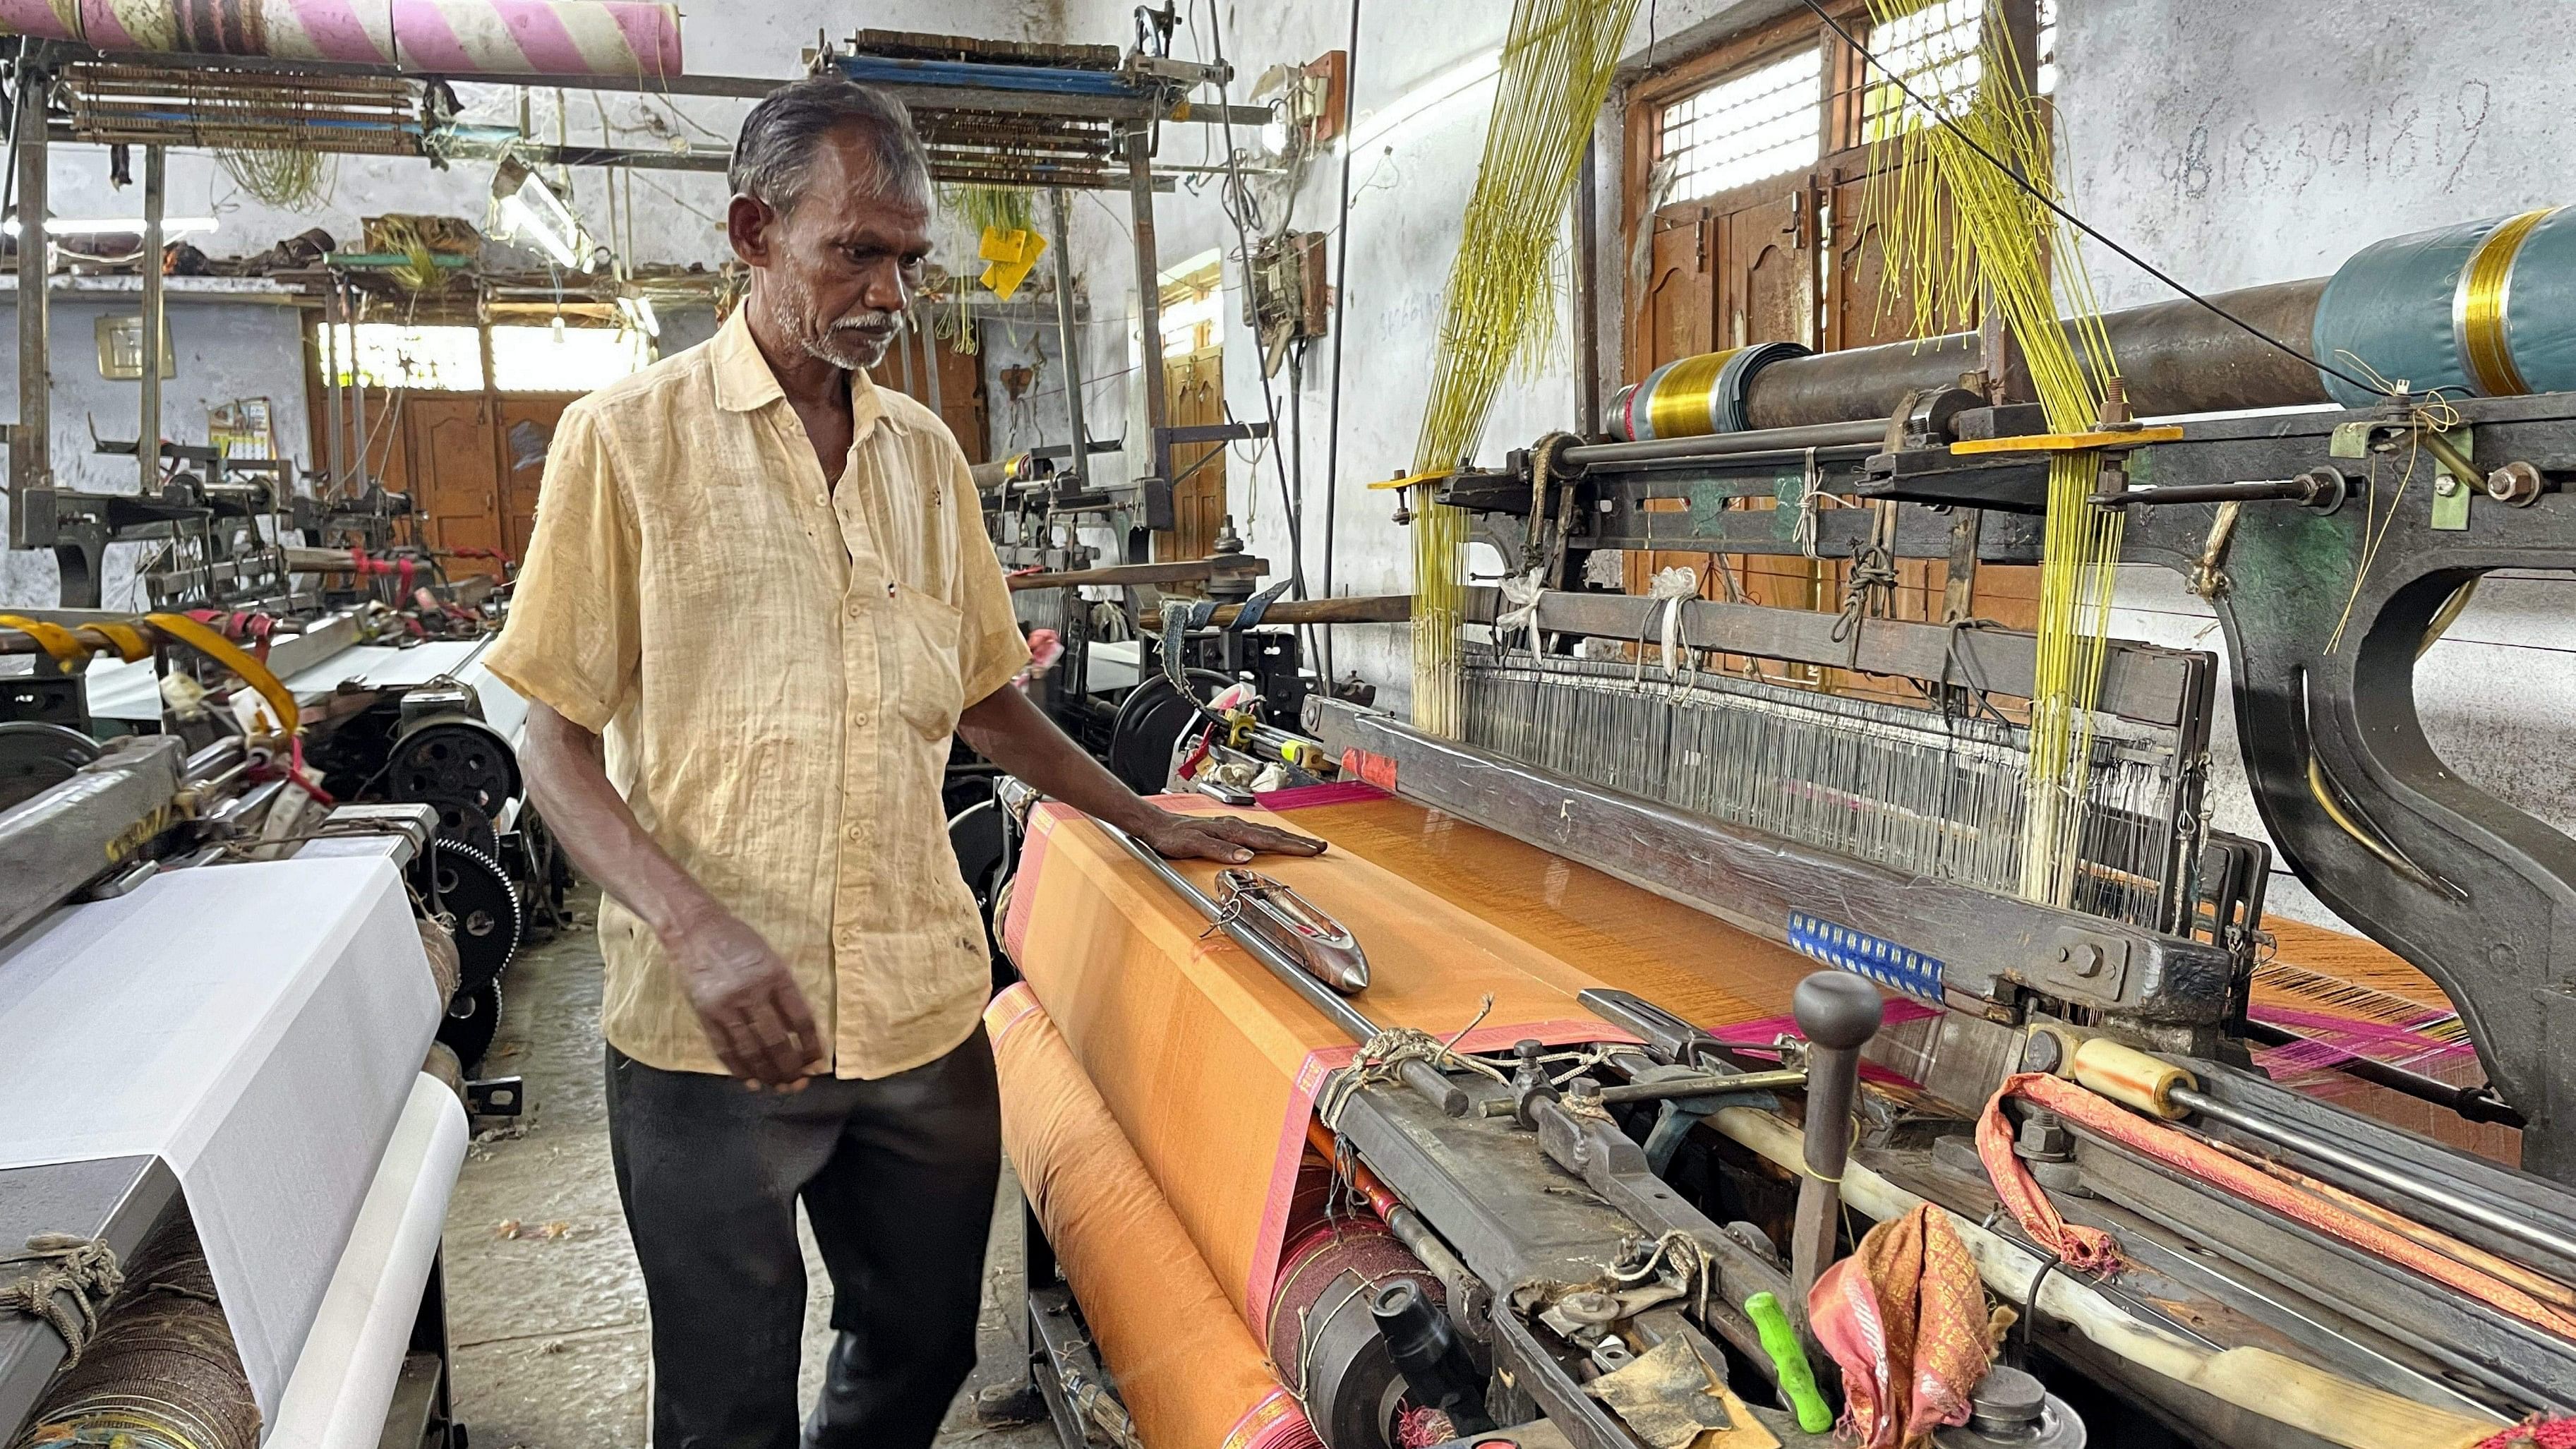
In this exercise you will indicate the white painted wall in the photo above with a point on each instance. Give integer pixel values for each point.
(2235, 144)
(222, 351)
(678, 215)
(1408, 192)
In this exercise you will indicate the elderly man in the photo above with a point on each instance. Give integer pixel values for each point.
(758, 604)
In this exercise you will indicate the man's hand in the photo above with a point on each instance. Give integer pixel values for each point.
(754, 1016)
(1219, 837)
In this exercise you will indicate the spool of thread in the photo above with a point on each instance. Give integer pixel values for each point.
(2132, 1078)
(443, 1064)
(2482, 307)
(162, 1369)
(446, 968)
(1692, 396)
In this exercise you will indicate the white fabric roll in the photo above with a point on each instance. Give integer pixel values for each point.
(345, 1377)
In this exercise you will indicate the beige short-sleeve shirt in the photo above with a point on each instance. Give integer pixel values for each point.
(776, 665)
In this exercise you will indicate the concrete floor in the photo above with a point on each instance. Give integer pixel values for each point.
(548, 1325)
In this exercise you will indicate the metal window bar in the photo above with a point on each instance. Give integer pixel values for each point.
(1760, 122)
(1934, 50)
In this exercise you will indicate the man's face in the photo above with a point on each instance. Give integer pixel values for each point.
(841, 264)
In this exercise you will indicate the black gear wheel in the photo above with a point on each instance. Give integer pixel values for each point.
(472, 1018)
(35, 757)
(454, 758)
(464, 823)
(475, 893)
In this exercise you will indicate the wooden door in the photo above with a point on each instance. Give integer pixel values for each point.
(1678, 296)
(1766, 273)
(456, 466)
(527, 431)
(1194, 386)
(957, 394)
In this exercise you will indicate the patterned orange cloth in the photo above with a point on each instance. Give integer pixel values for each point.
(2088, 1249)
(1905, 1317)
(2212, 1165)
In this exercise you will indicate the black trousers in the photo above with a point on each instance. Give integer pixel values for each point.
(898, 1177)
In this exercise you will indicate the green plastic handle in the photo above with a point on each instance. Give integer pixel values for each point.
(1797, 1379)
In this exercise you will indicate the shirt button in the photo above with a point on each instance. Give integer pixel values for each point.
(822, 500)
(856, 832)
(856, 610)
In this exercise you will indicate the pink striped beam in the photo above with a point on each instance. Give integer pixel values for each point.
(456, 37)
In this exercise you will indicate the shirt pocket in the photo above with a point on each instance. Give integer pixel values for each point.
(923, 636)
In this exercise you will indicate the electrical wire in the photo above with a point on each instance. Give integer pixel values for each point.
(1233, 195)
(1871, 61)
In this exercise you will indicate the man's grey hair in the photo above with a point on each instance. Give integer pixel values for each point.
(773, 158)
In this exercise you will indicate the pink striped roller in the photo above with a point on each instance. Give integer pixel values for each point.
(458, 37)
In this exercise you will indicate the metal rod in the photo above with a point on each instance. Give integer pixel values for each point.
(1420, 1075)
(2477, 1104)
(2430, 1194)
(1587, 307)
(1149, 301)
(147, 440)
(1719, 445)
(1067, 342)
(2261, 491)
(335, 470)
(1711, 1085)
(31, 442)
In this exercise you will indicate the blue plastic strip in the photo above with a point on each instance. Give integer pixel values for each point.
(1052, 80)
(1888, 963)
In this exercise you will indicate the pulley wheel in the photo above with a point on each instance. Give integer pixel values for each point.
(475, 894)
(1150, 724)
(35, 757)
(472, 1018)
(454, 758)
(460, 821)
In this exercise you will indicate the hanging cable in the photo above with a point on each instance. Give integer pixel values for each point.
(1341, 291)
(1232, 195)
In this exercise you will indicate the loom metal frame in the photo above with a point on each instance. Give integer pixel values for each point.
(2478, 894)
(1097, 124)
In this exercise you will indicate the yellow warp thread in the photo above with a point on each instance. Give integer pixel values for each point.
(2485, 288)
(1681, 405)
(1961, 235)
(1500, 303)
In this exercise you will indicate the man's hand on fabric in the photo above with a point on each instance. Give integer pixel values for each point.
(1220, 837)
(754, 1015)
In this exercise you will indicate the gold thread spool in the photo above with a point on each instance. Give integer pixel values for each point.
(2132, 1078)
(1681, 402)
(2486, 292)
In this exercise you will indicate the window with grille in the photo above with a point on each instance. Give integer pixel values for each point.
(450, 359)
(1934, 51)
(1764, 122)
(2048, 47)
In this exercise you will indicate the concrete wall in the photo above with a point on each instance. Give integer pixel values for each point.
(2232, 144)
(1409, 190)
(2236, 144)
(678, 215)
(223, 350)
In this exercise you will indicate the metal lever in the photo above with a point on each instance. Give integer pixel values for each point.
(1838, 1013)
